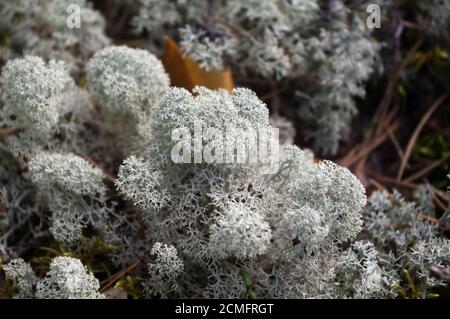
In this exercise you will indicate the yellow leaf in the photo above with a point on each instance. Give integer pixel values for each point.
(185, 72)
(401, 90)
(441, 54)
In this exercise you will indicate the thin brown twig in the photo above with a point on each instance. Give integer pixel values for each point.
(119, 275)
(395, 142)
(385, 124)
(429, 218)
(426, 170)
(367, 145)
(274, 92)
(134, 42)
(415, 135)
(436, 199)
(414, 26)
(391, 180)
(377, 185)
(442, 195)
(107, 175)
(359, 171)
(392, 83)
(369, 148)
